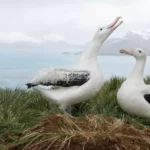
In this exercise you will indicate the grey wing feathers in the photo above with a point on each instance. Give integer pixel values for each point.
(77, 78)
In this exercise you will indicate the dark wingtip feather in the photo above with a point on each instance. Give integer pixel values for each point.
(29, 85)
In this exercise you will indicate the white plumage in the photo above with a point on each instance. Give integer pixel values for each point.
(134, 95)
(86, 80)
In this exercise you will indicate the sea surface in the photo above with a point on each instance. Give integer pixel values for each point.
(19, 67)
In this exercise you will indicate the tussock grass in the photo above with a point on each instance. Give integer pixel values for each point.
(21, 109)
(91, 132)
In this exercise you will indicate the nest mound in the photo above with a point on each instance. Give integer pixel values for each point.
(94, 132)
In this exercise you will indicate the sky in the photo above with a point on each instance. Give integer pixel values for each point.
(73, 21)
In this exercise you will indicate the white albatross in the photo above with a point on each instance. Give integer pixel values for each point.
(134, 95)
(80, 82)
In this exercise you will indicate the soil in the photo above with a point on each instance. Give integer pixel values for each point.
(95, 132)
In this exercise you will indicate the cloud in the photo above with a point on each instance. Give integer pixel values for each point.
(53, 37)
(76, 20)
(13, 37)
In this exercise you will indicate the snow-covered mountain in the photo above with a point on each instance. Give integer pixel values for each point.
(132, 39)
(21, 41)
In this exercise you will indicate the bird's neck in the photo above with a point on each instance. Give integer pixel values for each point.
(89, 57)
(138, 68)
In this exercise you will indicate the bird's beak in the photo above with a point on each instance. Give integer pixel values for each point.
(115, 24)
(129, 52)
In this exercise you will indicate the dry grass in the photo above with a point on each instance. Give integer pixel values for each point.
(93, 132)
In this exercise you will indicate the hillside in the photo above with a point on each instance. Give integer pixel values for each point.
(28, 122)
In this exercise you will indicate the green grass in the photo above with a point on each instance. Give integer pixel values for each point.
(106, 103)
(21, 108)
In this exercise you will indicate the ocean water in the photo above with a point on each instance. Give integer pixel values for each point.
(19, 67)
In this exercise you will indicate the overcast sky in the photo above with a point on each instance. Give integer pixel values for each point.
(72, 20)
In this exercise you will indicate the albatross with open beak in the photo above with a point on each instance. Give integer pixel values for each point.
(80, 82)
(134, 95)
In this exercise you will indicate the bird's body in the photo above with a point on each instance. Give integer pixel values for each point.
(78, 83)
(67, 96)
(134, 95)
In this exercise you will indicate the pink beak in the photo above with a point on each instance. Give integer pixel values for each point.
(129, 52)
(114, 23)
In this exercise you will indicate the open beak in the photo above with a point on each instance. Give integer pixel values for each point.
(130, 52)
(115, 24)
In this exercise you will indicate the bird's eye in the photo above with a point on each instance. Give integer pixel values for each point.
(140, 51)
(101, 29)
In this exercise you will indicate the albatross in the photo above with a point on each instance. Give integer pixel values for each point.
(78, 83)
(134, 95)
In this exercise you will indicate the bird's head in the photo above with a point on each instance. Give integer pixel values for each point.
(104, 32)
(138, 53)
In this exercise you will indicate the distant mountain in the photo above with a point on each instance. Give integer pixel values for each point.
(132, 39)
(22, 41)
(37, 46)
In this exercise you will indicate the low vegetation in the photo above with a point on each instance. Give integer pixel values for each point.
(99, 120)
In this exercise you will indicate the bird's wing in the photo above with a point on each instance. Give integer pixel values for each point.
(147, 97)
(146, 92)
(60, 77)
